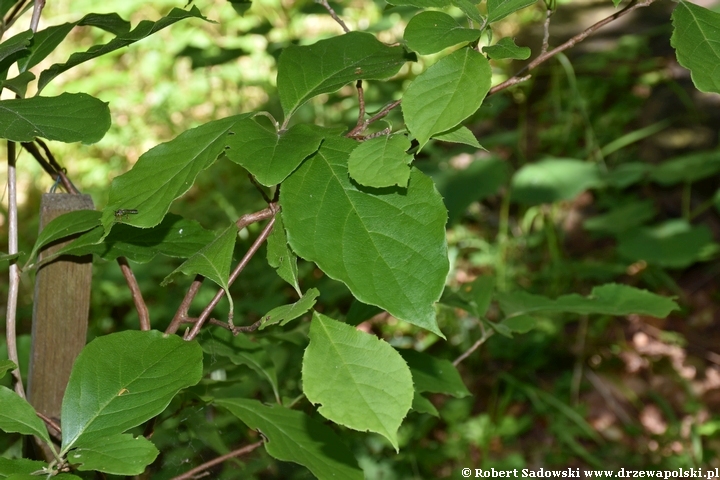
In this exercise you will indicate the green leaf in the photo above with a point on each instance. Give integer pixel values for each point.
(672, 244)
(18, 416)
(70, 117)
(506, 48)
(268, 155)
(166, 172)
(469, 8)
(422, 3)
(326, 66)
(388, 247)
(359, 312)
(143, 29)
(478, 294)
(499, 9)
(446, 93)
(116, 454)
(18, 85)
(432, 374)
(431, 32)
(622, 218)
(421, 404)
(280, 257)
(124, 379)
(17, 466)
(686, 169)
(695, 38)
(295, 437)
(553, 179)
(6, 366)
(459, 134)
(609, 299)
(15, 44)
(65, 225)
(287, 313)
(520, 323)
(241, 6)
(381, 162)
(627, 174)
(174, 237)
(359, 380)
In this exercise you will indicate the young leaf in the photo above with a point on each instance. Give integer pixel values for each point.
(124, 379)
(70, 117)
(280, 257)
(446, 93)
(435, 375)
(506, 48)
(499, 9)
(18, 85)
(388, 247)
(695, 38)
(287, 313)
(165, 172)
(553, 179)
(6, 366)
(18, 416)
(295, 437)
(120, 454)
(423, 405)
(520, 323)
(610, 299)
(430, 32)
(268, 155)
(65, 225)
(143, 29)
(359, 380)
(324, 67)
(381, 162)
(459, 134)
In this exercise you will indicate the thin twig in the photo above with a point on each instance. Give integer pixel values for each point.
(51, 423)
(37, 10)
(13, 16)
(207, 465)
(361, 103)
(485, 335)
(140, 305)
(233, 276)
(14, 271)
(181, 316)
(259, 188)
(357, 131)
(546, 31)
(334, 15)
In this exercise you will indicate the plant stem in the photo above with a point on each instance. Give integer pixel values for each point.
(137, 297)
(201, 468)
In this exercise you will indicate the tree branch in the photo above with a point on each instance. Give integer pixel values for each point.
(334, 15)
(357, 131)
(140, 305)
(485, 335)
(37, 10)
(207, 465)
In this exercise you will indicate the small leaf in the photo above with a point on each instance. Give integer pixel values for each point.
(423, 405)
(469, 8)
(65, 225)
(430, 32)
(520, 323)
(116, 454)
(6, 366)
(435, 375)
(287, 313)
(609, 299)
(13, 45)
(459, 134)
(359, 380)
(16, 466)
(70, 117)
(388, 248)
(686, 169)
(479, 294)
(695, 38)
(166, 172)
(270, 156)
(506, 48)
(18, 416)
(553, 179)
(295, 437)
(326, 66)
(280, 257)
(381, 162)
(18, 85)
(143, 29)
(499, 9)
(446, 93)
(124, 379)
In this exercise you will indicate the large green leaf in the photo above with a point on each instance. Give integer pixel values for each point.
(295, 437)
(280, 257)
(696, 38)
(499, 9)
(17, 466)
(271, 156)
(610, 299)
(359, 380)
(120, 454)
(446, 93)
(165, 172)
(435, 375)
(122, 380)
(70, 117)
(143, 29)
(381, 162)
(553, 179)
(18, 416)
(430, 32)
(387, 246)
(324, 67)
(65, 225)
(286, 313)
(506, 48)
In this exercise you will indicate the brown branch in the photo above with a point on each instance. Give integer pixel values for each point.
(357, 131)
(334, 15)
(485, 335)
(207, 465)
(37, 10)
(12, 17)
(57, 434)
(142, 310)
(361, 103)
(546, 31)
(233, 276)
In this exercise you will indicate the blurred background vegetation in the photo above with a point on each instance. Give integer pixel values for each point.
(625, 153)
